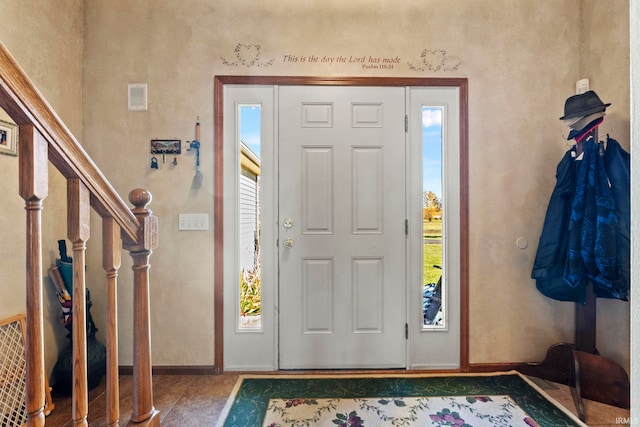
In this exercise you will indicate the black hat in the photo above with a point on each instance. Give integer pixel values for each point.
(583, 105)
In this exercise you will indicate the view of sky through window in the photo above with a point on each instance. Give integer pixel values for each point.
(432, 150)
(250, 127)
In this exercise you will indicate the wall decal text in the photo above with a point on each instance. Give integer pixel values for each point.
(364, 61)
(429, 60)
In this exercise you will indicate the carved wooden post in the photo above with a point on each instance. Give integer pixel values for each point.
(143, 411)
(111, 259)
(34, 187)
(78, 210)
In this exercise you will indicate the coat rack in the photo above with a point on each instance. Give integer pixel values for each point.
(579, 364)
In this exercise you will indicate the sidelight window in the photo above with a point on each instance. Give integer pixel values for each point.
(433, 291)
(250, 284)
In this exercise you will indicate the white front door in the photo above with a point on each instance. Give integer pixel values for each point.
(342, 242)
(332, 160)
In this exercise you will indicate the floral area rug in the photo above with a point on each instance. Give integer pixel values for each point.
(398, 411)
(504, 399)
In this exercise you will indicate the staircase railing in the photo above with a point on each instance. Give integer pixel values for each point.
(44, 139)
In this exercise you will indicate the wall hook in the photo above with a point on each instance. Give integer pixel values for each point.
(195, 145)
(154, 163)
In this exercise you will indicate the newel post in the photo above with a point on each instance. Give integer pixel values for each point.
(144, 412)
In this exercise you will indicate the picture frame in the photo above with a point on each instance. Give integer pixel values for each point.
(8, 138)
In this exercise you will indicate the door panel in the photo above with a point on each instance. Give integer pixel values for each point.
(342, 285)
(317, 190)
(367, 176)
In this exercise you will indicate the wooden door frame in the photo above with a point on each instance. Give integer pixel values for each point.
(218, 196)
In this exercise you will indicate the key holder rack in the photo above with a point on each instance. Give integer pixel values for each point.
(165, 147)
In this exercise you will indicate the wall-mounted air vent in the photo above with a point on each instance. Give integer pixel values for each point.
(137, 96)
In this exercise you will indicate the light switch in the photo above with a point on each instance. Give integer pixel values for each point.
(193, 221)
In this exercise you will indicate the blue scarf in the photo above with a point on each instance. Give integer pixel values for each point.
(592, 227)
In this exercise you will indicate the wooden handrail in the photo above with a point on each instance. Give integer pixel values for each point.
(23, 102)
(45, 139)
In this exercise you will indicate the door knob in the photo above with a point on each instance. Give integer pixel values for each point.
(288, 243)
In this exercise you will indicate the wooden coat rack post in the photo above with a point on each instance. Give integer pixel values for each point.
(585, 316)
(579, 364)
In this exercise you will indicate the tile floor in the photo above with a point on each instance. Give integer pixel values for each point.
(197, 400)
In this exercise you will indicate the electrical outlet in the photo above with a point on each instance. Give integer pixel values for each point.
(193, 221)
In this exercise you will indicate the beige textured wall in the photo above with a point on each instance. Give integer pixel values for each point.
(521, 59)
(517, 89)
(177, 48)
(46, 40)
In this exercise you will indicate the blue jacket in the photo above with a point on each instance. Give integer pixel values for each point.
(617, 163)
(585, 236)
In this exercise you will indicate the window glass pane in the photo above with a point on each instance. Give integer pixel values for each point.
(432, 218)
(249, 221)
